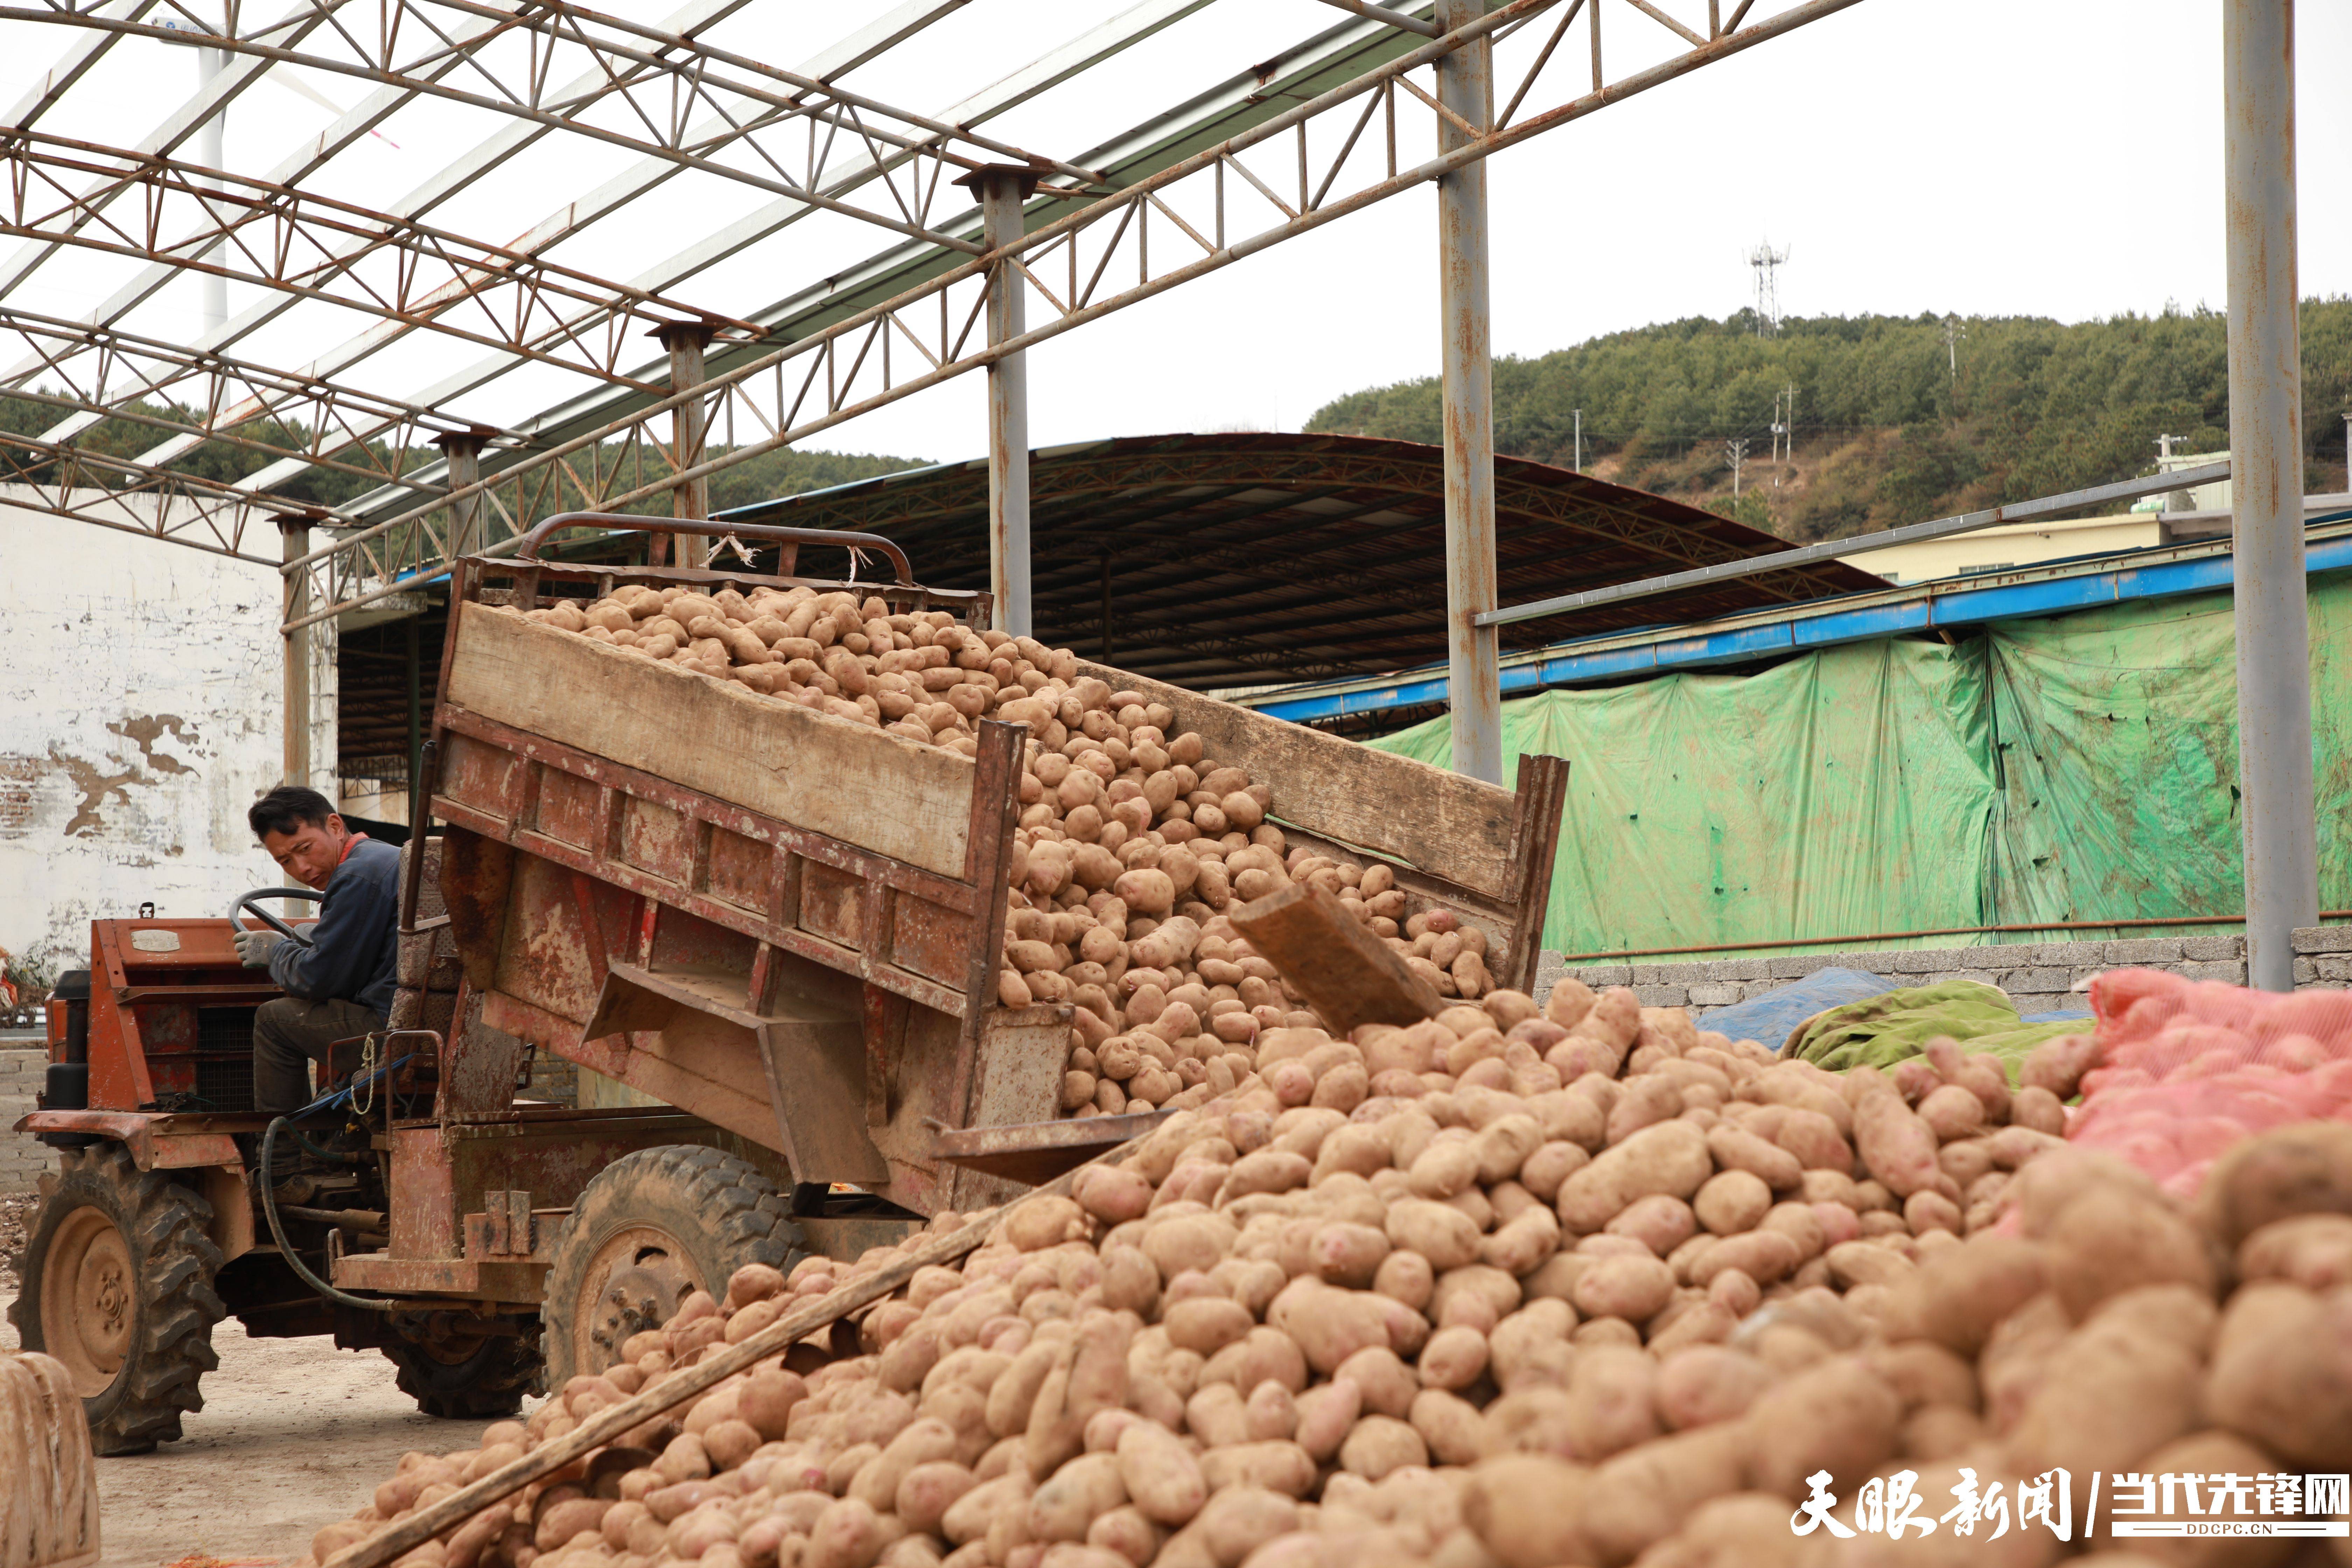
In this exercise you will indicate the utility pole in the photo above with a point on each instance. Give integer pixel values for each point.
(1736, 448)
(1579, 435)
(1002, 188)
(1767, 260)
(1474, 682)
(691, 500)
(1954, 331)
(2273, 631)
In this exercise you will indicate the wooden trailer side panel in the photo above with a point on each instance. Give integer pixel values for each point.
(879, 792)
(1439, 822)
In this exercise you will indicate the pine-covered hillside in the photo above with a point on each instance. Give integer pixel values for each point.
(1897, 419)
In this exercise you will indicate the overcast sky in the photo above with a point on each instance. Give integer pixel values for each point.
(2048, 157)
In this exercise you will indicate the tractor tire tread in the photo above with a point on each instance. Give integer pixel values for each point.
(740, 1208)
(163, 1223)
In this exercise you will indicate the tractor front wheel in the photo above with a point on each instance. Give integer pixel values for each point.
(118, 1285)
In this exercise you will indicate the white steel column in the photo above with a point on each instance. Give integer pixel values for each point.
(1002, 191)
(209, 152)
(293, 543)
(2274, 633)
(685, 341)
(1474, 687)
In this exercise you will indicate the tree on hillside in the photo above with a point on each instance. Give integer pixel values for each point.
(1888, 433)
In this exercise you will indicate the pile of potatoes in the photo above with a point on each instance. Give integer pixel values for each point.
(1514, 1286)
(1131, 843)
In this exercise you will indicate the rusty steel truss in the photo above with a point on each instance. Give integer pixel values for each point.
(1345, 119)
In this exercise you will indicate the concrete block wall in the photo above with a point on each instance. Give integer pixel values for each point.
(22, 1160)
(2040, 977)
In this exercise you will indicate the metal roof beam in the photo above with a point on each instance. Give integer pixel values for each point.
(314, 155)
(1091, 48)
(841, 358)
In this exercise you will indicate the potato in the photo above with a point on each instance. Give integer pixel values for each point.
(2110, 1239)
(1611, 1401)
(1635, 1289)
(1239, 1520)
(1670, 1157)
(1381, 1444)
(1896, 1145)
(2281, 1374)
(2104, 1400)
(1283, 1466)
(2303, 1169)
(1444, 1236)
(1159, 1476)
(1834, 1415)
(1526, 1509)
(1957, 1299)
(1735, 1149)
(1706, 1384)
(927, 1490)
(1732, 1200)
(2314, 1251)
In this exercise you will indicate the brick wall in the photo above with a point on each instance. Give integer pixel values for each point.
(22, 1160)
(2038, 976)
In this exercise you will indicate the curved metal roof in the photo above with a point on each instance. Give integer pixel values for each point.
(1246, 559)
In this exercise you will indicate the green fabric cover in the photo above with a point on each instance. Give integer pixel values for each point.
(1880, 1031)
(2077, 767)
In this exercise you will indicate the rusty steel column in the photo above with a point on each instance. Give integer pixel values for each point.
(685, 341)
(1001, 191)
(1473, 683)
(2274, 630)
(461, 453)
(293, 543)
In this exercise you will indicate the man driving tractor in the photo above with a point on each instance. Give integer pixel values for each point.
(341, 985)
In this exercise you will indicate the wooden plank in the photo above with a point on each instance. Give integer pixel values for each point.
(1346, 973)
(1457, 827)
(879, 792)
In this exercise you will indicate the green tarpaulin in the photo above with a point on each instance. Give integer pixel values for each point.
(1882, 1030)
(2080, 767)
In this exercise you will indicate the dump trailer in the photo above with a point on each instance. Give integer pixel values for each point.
(780, 927)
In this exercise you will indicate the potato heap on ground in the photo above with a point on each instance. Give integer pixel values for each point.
(1328, 1316)
(1131, 845)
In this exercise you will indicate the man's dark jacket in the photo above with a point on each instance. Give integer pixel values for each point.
(356, 944)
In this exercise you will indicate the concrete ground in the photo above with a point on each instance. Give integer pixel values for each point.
(294, 1435)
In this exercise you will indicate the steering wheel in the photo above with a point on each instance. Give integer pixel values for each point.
(247, 904)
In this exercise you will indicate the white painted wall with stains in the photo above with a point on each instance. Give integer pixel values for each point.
(140, 689)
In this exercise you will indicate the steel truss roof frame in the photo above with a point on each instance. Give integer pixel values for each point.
(295, 242)
(657, 82)
(1100, 44)
(143, 380)
(1308, 138)
(849, 366)
(587, 320)
(568, 219)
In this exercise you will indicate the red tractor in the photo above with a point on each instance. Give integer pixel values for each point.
(150, 1231)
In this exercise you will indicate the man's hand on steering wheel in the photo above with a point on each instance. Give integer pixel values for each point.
(254, 947)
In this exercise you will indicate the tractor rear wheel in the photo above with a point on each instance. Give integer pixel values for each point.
(651, 1229)
(118, 1285)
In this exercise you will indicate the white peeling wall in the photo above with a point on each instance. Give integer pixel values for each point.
(141, 688)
